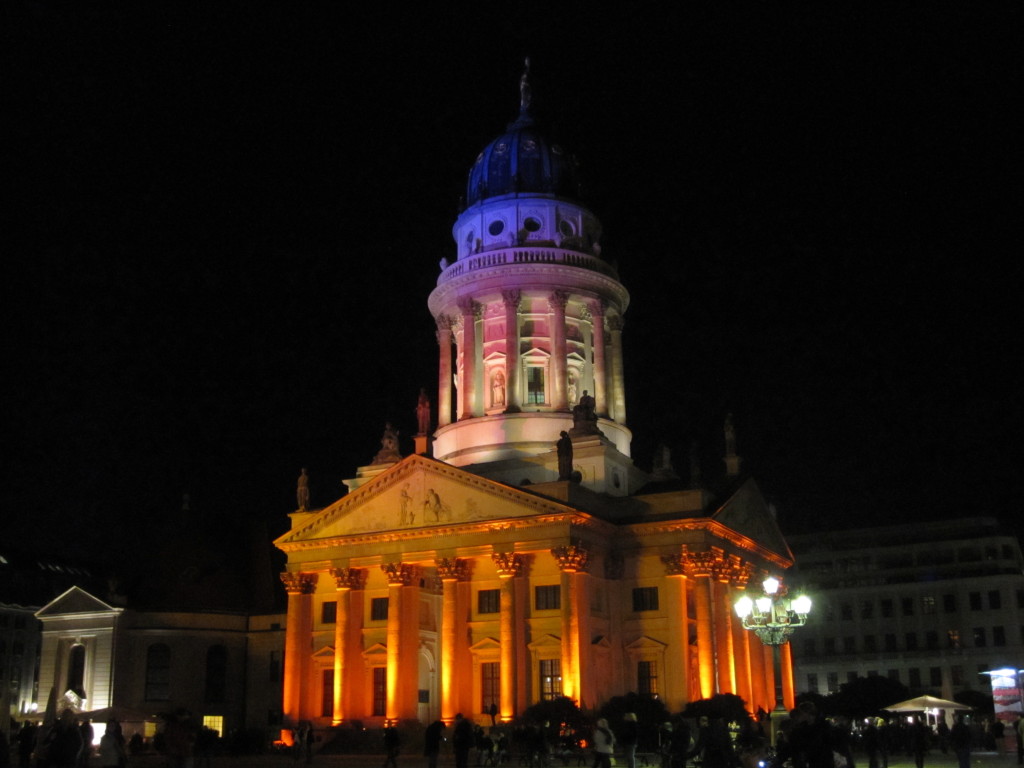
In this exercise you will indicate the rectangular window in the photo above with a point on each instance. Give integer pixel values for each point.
(810, 646)
(849, 645)
(490, 685)
(954, 638)
(812, 682)
(908, 606)
(214, 723)
(890, 642)
(550, 679)
(870, 644)
(995, 599)
(979, 637)
(327, 692)
(928, 604)
(535, 385)
(830, 645)
(931, 640)
(974, 600)
(998, 636)
(647, 678)
(329, 612)
(956, 673)
(645, 599)
(846, 612)
(935, 677)
(380, 691)
(867, 609)
(914, 677)
(379, 609)
(886, 607)
(547, 597)
(910, 640)
(833, 682)
(949, 603)
(488, 601)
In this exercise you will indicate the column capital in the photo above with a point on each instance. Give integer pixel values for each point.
(675, 565)
(597, 307)
(452, 569)
(740, 572)
(348, 578)
(571, 558)
(511, 298)
(444, 322)
(699, 564)
(299, 583)
(558, 300)
(469, 308)
(509, 564)
(400, 574)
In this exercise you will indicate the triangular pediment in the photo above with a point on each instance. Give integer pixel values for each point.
(545, 641)
(644, 643)
(419, 494)
(747, 512)
(486, 645)
(377, 649)
(326, 652)
(75, 600)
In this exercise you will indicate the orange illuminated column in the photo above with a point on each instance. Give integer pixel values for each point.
(572, 561)
(297, 638)
(511, 301)
(470, 310)
(444, 368)
(451, 571)
(618, 394)
(788, 691)
(759, 698)
(701, 574)
(557, 302)
(677, 661)
(722, 611)
(346, 579)
(402, 670)
(509, 566)
(739, 575)
(600, 391)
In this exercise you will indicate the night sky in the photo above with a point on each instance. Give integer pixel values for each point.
(227, 218)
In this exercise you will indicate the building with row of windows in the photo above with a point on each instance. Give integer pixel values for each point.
(929, 604)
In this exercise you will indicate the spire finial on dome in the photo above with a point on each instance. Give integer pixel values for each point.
(525, 93)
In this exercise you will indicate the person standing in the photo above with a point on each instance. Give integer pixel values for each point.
(960, 740)
(629, 735)
(432, 738)
(604, 744)
(392, 745)
(1019, 729)
(919, 738)
(63, 742)
(462, 740)
(112, 754)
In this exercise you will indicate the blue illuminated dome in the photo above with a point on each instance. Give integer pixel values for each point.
(522, 161)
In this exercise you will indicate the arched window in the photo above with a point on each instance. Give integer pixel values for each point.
(76, 670)
(216, 673)
(158, 672)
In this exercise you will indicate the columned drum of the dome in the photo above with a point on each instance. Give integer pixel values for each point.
(529, 314)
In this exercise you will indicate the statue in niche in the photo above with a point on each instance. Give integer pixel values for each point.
(498, 389)
(564, 449)
(302, 492)
(572, 388)
(423, 413)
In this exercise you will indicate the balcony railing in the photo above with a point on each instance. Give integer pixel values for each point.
(527, 255)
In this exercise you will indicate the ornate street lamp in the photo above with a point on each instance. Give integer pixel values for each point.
(772, 617)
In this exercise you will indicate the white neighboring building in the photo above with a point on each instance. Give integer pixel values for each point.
(930, 604)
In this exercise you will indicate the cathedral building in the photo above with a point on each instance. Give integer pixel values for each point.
(519, 555)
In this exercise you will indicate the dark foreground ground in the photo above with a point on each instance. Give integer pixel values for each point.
(934, 760)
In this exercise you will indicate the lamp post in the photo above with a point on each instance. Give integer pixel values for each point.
(772, 617)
